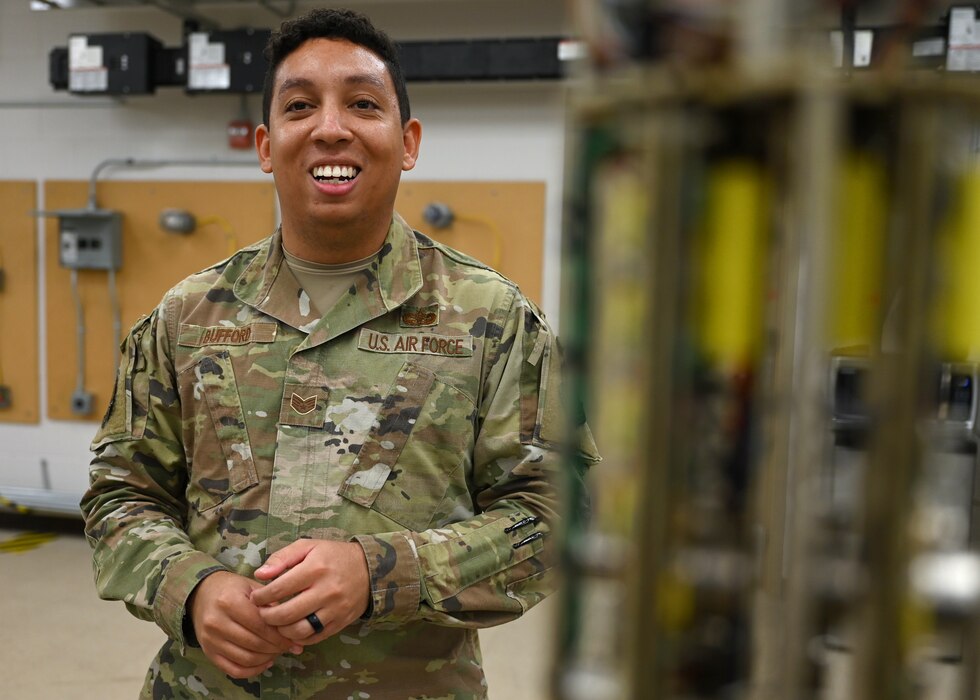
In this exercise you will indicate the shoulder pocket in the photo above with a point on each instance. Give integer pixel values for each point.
(125, 417)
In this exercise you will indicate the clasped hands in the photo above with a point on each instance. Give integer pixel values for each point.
(243, 625)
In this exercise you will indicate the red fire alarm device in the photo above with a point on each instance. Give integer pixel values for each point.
(240, 134)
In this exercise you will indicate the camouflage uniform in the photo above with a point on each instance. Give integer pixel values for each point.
(418, 417)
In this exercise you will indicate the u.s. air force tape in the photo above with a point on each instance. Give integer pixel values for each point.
(416, 343)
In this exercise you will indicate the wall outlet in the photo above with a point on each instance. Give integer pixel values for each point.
(81, 403)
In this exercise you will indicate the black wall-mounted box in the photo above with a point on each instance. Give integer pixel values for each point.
(112, 64)
(482, 59)
(226, 61)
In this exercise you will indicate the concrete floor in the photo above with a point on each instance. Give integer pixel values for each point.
(61, 641)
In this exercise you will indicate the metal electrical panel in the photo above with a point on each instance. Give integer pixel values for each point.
(90, 239)
(226, 61)
(112, 64)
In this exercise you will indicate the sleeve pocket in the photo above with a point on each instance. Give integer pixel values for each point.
(542, 417)
(125, 417)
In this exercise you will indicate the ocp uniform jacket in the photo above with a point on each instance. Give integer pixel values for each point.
(419, 416)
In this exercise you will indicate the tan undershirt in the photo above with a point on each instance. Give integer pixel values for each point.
(326, 284)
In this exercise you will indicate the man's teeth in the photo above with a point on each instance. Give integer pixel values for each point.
(334, 172)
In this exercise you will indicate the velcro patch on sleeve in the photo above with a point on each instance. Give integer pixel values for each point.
(416, 343)
(203, 336)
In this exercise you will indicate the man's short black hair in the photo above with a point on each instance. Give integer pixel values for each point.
(324, 23)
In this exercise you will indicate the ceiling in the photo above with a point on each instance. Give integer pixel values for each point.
(187, 9)
(283, 6)
(176, 4)
(182, 8)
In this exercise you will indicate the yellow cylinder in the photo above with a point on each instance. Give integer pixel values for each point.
(858, 254)
(958, 299)
(732, 252)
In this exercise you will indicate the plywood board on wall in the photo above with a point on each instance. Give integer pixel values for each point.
(229, 215)
(499, 223)
(19, 341)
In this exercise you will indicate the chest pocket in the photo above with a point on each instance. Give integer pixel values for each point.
(221, 461)
(414, 459)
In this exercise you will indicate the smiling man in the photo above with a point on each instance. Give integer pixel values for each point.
(331, 457)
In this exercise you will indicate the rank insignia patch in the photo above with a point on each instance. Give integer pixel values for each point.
(302, 406)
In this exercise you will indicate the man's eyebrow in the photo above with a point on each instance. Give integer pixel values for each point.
(355, 79)
(366, 78)
(290, 83)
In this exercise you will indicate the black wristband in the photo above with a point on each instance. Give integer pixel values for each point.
(187, 627)
(370, 609)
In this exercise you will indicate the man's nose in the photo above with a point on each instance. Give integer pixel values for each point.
(332, 125)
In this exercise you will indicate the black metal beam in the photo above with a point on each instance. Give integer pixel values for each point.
(422, 61)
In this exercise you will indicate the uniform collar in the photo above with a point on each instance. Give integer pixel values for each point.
(393, 277)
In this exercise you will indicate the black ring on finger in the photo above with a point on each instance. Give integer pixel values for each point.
(315, 623)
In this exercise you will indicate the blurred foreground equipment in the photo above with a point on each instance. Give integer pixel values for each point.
(773, 255)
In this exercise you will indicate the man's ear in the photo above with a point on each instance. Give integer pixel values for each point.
(412, 137)
(263, 146)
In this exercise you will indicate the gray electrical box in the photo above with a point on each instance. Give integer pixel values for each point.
(89, 239)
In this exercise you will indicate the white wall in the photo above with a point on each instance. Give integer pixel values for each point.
(471, 131)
